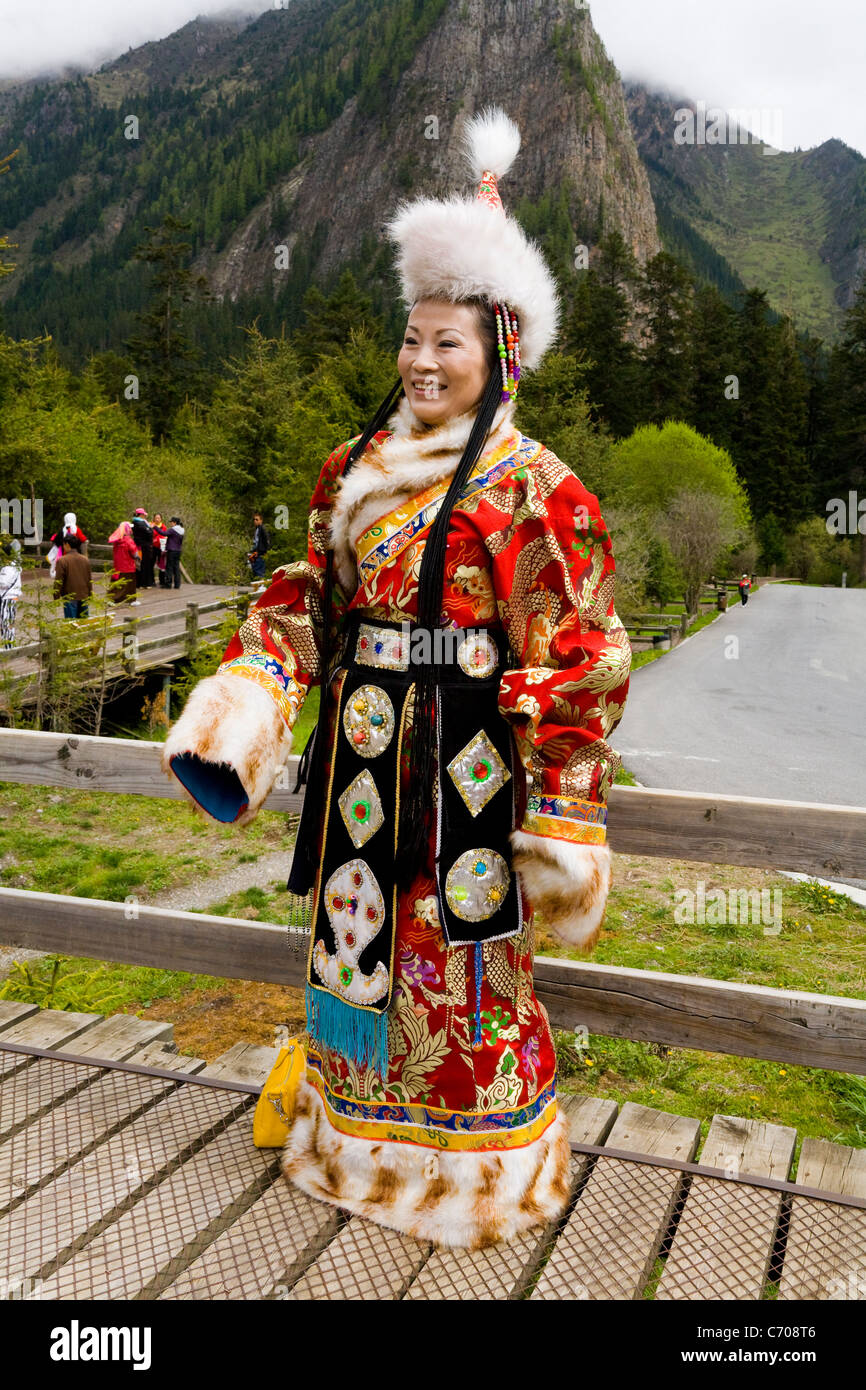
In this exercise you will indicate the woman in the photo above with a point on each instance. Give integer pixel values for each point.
(122, 585)
(429, 1100)
(70, 528)
(10, 587)
(160, 532)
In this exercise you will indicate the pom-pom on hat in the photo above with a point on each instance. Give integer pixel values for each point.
(459, 248)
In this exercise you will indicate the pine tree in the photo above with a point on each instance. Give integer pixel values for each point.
(667, 365)
(163, 355)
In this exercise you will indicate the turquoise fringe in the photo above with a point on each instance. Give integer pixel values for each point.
(361, 1035)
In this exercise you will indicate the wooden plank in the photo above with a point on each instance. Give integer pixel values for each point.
(817, 1030)
(145, 1247)
(726, 1232)
(738, 830)
(247, 1062)
(503, 1271)
(125, 765)
(366, 1262)
(79, 1122)
(609, 1243)
(263, 1251)
(163, 1230)
(11, 1012)
(114, 1161)
(45, 1082)
(825, 1253)
(825, 840)
(43, 1028)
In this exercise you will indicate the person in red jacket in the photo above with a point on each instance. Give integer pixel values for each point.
(122, 585)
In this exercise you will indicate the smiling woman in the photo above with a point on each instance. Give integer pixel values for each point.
(448, 796)
(449, 352)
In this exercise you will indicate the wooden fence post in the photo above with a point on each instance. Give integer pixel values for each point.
(192, 634)
(129, 644)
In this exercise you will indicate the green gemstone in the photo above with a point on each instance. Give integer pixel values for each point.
(460, 893)
(346, 975)
(377, 719)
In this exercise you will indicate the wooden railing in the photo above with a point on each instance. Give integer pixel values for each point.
(679, 1010)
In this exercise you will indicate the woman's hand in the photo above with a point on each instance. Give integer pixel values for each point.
(567, 883)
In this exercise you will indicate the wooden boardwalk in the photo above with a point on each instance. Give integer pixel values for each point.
(156, 632)
(118, 1183)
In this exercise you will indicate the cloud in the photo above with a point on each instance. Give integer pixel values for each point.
(788, 55)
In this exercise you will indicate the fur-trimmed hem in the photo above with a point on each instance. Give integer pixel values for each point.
(568, 883)
(466, 1199)
(231, 720)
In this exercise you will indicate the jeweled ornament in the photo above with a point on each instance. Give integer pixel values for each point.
(477, 883)
(368, 721)
(478, 772)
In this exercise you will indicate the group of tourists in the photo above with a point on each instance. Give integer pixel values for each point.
(145, 549)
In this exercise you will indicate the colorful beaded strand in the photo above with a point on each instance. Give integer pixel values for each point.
(479, 971)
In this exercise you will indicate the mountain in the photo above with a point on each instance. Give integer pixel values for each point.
(792, 223)
(301, 129)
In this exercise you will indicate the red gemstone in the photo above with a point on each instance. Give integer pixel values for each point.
(363, 644)
(360, 736)
(480, 771)
(371, 914)
(357, 879)
(350, 939)
(339, 904)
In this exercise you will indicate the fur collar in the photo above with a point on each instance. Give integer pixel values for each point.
(413, 457)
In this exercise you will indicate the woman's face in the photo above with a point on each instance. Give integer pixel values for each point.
(442, 362)
(157, 520)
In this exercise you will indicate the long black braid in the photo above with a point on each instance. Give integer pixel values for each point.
(415, 819)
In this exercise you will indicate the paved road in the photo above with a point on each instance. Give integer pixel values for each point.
(779, 712)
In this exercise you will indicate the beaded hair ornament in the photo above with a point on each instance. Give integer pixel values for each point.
(508, 340)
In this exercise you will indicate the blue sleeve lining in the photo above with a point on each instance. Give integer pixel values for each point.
(215, 786)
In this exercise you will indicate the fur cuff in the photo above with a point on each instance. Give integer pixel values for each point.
(231, 720)
(567, 883)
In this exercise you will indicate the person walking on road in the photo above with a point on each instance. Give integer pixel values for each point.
(744, 587)
(261, 545)
(73, 579)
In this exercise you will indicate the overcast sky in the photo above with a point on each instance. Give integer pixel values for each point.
(801, 58)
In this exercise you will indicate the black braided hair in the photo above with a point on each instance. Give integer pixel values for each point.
(415, 815)
(311, 768)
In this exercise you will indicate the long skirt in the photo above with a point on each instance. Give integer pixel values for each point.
(122, 587)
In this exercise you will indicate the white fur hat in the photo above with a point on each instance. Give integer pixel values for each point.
(456, 248)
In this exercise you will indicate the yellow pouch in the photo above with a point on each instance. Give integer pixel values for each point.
(276, 1104)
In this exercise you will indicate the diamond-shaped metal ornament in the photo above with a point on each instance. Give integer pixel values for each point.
(361, 808)
(478, 772)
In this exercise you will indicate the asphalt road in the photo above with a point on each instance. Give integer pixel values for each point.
(769, 700)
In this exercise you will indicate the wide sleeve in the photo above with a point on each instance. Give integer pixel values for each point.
(235, 732)
(554, 577)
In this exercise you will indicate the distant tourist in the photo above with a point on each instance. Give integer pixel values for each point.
(70, 527)
(261, 546)
(10, 587)
(744, 587)
(142, 534)
(73, 579)
(122, 586)
(173, 543)
(160, 533)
